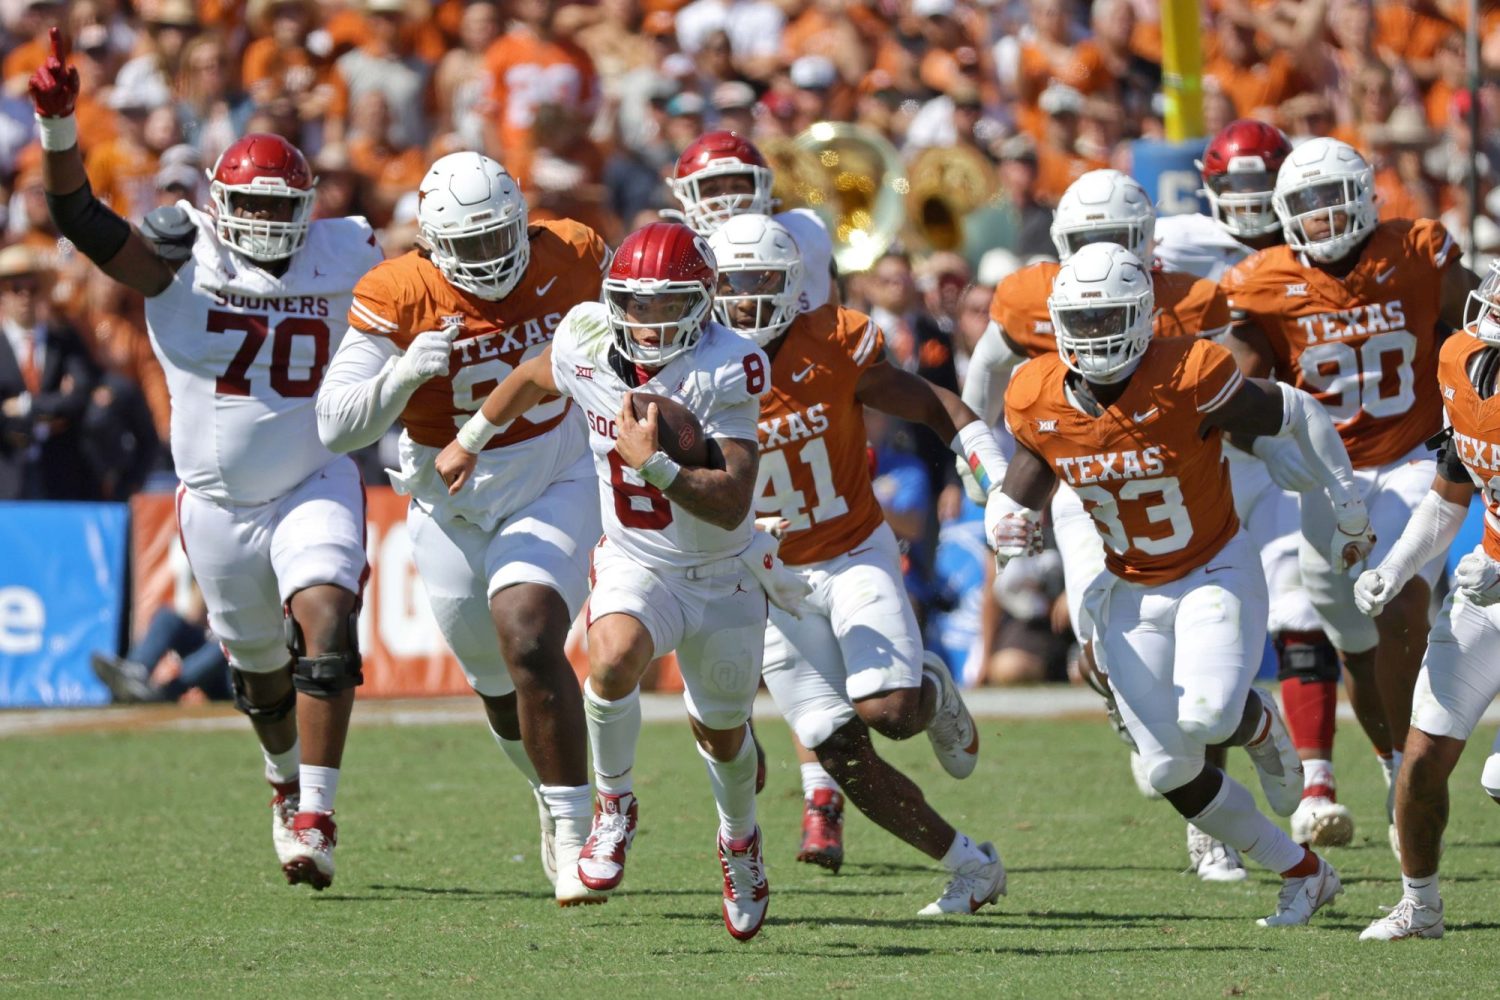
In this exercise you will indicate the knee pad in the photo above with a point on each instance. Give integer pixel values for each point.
(1490, 777)
(1307, 656)
(1170, 773)
(1211, 729)
(326, 675)
(263, 713)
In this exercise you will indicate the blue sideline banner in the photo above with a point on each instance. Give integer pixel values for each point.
(1169, 173)
(62, 591)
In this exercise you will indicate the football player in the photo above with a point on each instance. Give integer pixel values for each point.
(1110, 207)
(854, 662)
(504, 562)
(1239, 169)
(1460, 673)
(1352, 310)
(1135, 425)
(680, 565)
(239, 302)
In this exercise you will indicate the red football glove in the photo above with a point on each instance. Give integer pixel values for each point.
(54, 87)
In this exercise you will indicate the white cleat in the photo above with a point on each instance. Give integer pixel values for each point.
(1213, 860)
(549, 833)
(283, 813)
(1321, 822)
(1300, 898)
(1142, 776)
(1407, 919)
(312, 855)
(973, 885)
(954, 737)
(1276, 763)
(569, 835)
(747, 893)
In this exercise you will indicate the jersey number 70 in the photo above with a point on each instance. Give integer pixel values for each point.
(236, 378)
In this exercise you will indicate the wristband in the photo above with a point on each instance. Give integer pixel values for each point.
(660, 470)
(476, 433)
(57, 134)
(975, 443)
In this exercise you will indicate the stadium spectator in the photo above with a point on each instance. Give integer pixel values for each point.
(211, 113)
(380, 63)
(131, 679)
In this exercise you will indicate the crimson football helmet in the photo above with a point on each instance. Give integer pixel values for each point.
(262, 165)
(720, 154)
(1239, 170)
(660, 286)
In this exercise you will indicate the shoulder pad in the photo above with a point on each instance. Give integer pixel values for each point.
(171, 231)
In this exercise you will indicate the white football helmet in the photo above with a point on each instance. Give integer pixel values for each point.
(472, 218)
(1101, 305)
(759, 264)
(1322, 180)
(1104, 206)
(1482, 310)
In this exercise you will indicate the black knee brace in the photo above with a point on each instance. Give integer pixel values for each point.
(1308, 656)
(325, 675)
(264, 713)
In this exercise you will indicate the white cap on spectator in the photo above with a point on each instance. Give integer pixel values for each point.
(996, 265)
(387, 6)
(180, 174)
(932, 8)
(678, 64)
(142, 92)
(1059, 98)
(814, 73)
(732, 95)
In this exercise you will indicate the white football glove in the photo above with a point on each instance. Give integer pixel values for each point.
(427, 357)
(1012, 532)
(1286, 464)
(785, 589)
(972, 489)
(1352, 538)
(1374, 590)
(1477, 577)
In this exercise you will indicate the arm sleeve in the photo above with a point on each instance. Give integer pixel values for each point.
(359, 398)
(1305, 419)
(989, 368)
(1449, 465)
(1432, 528)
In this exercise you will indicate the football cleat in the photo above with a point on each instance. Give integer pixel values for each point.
(1213, 860)
(601, 862)
(1276, 763)
(567, 841)
(1321, 822)
(1300, 898)
(747, 894)
(1407, 919)
(549, 834)
(1142, 775)
(954, 737)
(823, 830)
(283, 812)
(311, 858)
(971, 886)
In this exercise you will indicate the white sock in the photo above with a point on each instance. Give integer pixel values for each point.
(1392, 766)
(814, 778)
(282, 767)
(516, 752)
(319, 786)
(1233, 818)
(614, 731)
(1423, 890)
(961, 852)
(1317, 772)
(733, 783)
(566, 800)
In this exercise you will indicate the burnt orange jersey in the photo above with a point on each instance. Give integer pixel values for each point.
(1366, 346)
(814, 470)
(407, 295)
(1185, 306)
(1158, 491)
(1476, 429)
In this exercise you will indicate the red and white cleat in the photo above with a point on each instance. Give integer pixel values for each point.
(823, 830)
(601, 863)
(283, 812)
(747, 894)
(312, 855)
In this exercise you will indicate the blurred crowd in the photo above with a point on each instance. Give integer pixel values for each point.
(589, 104)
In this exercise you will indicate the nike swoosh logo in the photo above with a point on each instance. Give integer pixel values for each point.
(859, 551)
(1380, 278)
(544, 289)
(1141, 418)
(799, 376)
(1215, 569)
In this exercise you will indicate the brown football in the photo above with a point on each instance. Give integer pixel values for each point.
(678, 431)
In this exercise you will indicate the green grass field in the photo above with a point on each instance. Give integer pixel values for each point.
(140, 863)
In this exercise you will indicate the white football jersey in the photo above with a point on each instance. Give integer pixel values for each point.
(244, 352)
(816, 247)
(1197, 245)
(720, 380)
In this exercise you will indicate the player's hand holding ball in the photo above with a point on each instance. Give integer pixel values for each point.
(637, 439)
(1477, 577)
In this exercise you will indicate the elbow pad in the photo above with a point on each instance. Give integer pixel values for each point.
(97, 232)
(171, 232)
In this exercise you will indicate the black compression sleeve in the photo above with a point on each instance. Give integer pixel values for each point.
(96, 231)
(1450, 466)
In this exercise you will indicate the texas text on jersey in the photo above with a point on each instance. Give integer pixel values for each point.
(1156, 487)
(1363, 345)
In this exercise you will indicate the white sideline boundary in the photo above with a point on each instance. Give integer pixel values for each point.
(986, 703)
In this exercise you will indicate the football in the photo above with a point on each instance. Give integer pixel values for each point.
(678, 431)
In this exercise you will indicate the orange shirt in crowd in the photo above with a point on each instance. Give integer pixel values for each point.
(1056, 169)
(124, 176)
(1411, 32)
(288, 71)
(1264, 85)
(526, 72)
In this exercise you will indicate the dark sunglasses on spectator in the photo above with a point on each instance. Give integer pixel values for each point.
(22, 284)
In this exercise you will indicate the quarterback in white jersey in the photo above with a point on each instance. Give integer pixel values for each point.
(505, 563)
(680, 567)
(242, 305)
